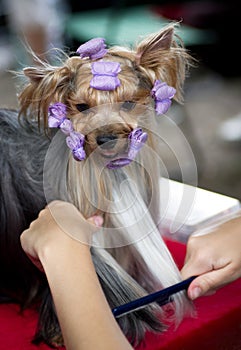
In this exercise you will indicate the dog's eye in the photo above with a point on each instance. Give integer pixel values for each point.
(128, 105)
(82, 107)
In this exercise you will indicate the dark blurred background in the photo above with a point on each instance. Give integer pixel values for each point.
(210, 118)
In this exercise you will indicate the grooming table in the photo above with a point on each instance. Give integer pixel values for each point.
(217, 326)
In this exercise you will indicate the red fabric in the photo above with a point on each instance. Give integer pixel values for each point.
(216, 327)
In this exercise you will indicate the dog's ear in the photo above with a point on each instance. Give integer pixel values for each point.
(47, 84)
(162, 56)
(148, 51)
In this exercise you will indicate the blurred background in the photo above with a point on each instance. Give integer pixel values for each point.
(210, 117)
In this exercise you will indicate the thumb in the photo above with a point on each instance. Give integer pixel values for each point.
(207, 284)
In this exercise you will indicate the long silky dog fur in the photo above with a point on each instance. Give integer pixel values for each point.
(126, 270)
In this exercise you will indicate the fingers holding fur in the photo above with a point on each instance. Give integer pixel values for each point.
(71, 221)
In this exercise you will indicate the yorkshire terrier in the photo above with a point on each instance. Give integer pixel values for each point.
(87, 133)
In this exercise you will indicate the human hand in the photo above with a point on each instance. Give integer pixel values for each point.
(67, 262)
(53, 229)
(214, 257)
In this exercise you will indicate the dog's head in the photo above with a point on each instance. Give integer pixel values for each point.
(106, 95)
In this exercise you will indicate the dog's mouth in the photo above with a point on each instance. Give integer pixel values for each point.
(108, 154)
(116, 157)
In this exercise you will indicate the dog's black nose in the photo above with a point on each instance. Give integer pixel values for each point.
(106, 141)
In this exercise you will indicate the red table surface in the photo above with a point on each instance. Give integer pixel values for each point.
(217, 325)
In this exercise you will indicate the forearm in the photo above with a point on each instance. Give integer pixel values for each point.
(84, 315)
